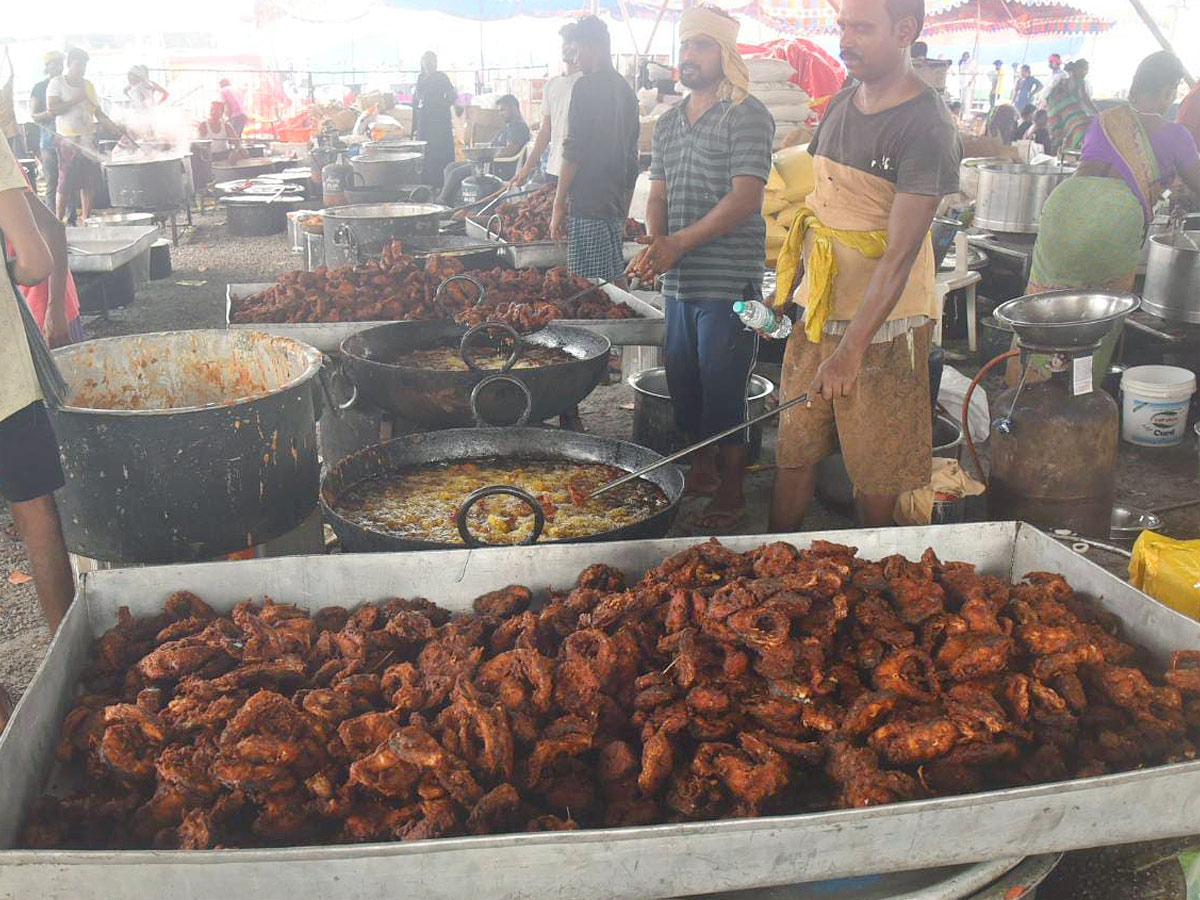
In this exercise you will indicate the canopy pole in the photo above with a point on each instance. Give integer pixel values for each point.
(632, 37)
(657, 21)
(1148, 19)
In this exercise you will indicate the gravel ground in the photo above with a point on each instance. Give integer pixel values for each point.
(207, 259)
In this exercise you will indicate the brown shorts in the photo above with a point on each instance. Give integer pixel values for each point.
(884, 426)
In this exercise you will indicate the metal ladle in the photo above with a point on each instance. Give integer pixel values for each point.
(680, 454)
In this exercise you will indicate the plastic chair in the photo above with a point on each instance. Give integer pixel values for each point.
(961, 278)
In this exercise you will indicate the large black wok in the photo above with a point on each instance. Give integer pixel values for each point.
(504, 443)
(443, 399)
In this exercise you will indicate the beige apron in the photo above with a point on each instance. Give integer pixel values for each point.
(18, 382)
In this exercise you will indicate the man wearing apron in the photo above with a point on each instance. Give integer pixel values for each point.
(30, 470)
(884, 155)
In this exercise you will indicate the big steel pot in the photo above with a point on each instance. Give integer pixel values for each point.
(654, 414)
(383, 169)
(393, 145)
(1172, 289)
(354, 234)
(153, 184)
(251, 215)
(186, 445)
(459, 444)
(1011, 195)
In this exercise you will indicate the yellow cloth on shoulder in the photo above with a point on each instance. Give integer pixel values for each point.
(821, 266)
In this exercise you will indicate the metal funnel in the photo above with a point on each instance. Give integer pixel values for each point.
(1065, 320)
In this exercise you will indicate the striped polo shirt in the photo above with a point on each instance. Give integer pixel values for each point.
(699, 162)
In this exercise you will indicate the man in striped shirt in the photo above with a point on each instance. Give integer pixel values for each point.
(707, 238)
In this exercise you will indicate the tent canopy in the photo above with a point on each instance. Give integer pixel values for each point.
(1026, 19)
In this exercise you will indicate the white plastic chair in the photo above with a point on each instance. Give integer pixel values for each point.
(961, 278)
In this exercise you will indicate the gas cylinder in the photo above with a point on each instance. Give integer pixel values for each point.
(334, 178)
(480, 185)
(1054, 458)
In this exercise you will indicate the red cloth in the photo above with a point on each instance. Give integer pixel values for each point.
(37, 298)
(820, 74)
(1188, 114)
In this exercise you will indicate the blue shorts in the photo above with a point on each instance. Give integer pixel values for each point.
(710, 356)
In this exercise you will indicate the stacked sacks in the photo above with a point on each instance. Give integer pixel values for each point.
(790, 182)
(787, 102)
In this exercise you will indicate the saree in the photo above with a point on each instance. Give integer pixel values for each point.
(1091, 229)
(1068, 112)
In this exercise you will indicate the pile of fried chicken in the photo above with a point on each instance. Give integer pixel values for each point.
(397, 287)
(721, 685)
(527, 220)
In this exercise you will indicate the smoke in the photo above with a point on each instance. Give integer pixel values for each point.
(161, 131)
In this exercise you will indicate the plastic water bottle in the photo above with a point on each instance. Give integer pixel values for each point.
(763, 319)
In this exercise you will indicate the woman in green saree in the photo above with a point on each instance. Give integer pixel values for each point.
(1093, 225)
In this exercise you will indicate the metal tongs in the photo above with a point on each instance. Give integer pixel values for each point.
(680, 454)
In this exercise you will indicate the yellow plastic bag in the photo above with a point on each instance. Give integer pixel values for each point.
(772, 204)
(1168, 570)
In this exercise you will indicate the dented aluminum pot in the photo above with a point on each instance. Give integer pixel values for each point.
(181, 446)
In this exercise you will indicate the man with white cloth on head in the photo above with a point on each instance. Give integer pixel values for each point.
(707, 238)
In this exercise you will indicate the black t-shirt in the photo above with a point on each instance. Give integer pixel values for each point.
(602, 138)
(914, 145)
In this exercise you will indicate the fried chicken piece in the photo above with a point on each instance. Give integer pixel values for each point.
(364, 733)
(867, 711)
(904, 743)
(565, 737)
(504, 603)
(906, 673)
(384, 772)
(971, 656)
(496, 812)
(176, 659)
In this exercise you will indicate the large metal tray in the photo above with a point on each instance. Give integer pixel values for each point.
(645, 330)
(616, 864)
(105, 248)
(535, 254)
(325, 336)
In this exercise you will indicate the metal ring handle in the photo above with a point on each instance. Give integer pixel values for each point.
(460, 517)
(329, 389)
(518, 344)
(437, 298)
(354, 173)
(478, 390)
(499, 220)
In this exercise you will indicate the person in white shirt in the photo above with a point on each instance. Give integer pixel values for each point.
(72, 100)
(141, 91)
(556, 104)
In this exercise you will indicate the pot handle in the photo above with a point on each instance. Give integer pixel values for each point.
(437, 298)
(344, 236)
(495, 217)
(518, 345)
(354, 173)
(460, 517)
(328, 385)
(477, 392)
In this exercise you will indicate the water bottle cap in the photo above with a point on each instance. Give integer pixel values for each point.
(739, 306)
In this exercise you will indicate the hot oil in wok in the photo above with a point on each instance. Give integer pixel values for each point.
(420, 502)
(447, 358)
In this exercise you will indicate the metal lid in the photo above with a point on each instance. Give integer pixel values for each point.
(1185, 241)
(1065, 320)
(386, 158)
(262, 200)
(1128, 522)
(384, 210)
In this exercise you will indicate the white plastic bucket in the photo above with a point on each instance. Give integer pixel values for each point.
(1154, 404)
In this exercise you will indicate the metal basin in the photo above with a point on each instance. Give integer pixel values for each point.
(1127, 523)
(504, 443)
(654, 413)
(1065, 320)
(186, 445)
(442, 399)
(354, 234)
(392, 145)
(148, 184)
(384, 169)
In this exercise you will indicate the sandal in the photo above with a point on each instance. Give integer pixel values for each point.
(704, 489)
(715, 522)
